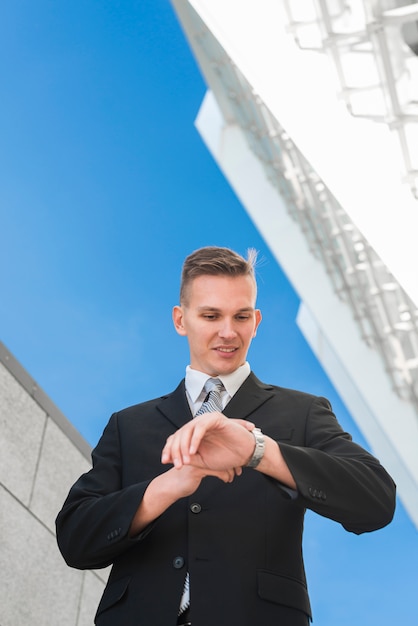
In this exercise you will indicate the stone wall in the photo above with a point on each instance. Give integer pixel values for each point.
(41, 455)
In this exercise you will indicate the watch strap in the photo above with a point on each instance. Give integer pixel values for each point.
(260, 445)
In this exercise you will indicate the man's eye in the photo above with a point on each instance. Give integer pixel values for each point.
(209, 316)
(243, 317)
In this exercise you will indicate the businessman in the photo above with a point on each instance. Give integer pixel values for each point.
(197, 498)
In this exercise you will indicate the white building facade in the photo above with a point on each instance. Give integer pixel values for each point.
(312, 115)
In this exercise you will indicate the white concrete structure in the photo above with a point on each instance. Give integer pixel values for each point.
(41, 455)
(333, 195)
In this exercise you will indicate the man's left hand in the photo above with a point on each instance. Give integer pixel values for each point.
(212, 441)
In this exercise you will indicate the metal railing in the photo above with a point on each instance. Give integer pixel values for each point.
(374, 46)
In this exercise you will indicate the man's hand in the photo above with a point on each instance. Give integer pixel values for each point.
(167, 488)
(211, 441)
(184, 482)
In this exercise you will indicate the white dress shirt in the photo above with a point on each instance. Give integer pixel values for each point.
(195, 382)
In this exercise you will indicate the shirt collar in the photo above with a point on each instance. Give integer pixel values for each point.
(195, 380)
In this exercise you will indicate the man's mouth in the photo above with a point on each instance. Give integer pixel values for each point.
(220, 349)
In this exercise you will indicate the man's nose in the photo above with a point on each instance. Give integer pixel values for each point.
(227, 329)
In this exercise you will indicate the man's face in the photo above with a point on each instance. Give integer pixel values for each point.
(219, 320)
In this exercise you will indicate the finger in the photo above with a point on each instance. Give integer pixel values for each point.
(181, 443)
(185, 436)
(201, 427)
(227, 476)
(174, 447)
(248, 425)
(166, 451)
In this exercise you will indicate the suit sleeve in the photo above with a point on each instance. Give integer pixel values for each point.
(93, 525)
(338, 478)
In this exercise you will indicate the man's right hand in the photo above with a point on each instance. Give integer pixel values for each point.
(169, 487)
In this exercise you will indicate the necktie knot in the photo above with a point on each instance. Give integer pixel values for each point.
(213, 384)
(213, 400)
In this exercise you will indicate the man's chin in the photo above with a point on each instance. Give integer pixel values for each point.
(226, 366)
(218, 365)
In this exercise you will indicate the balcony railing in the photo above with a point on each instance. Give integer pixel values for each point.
(374, 48)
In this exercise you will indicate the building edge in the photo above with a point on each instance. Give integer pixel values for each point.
(43, 400)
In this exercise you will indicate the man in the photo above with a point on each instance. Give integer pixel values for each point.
(201, 518)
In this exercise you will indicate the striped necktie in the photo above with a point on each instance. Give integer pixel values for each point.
(212, 402)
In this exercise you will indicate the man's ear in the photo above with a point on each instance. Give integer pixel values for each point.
(258, 318)
(178, 316)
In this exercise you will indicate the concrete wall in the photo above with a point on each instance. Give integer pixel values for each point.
(41, 455)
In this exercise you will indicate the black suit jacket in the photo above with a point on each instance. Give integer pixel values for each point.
(241, 542)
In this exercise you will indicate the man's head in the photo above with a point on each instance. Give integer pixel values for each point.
(215, 261)
(217, 309)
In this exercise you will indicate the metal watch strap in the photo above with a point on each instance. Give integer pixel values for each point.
(260, 445)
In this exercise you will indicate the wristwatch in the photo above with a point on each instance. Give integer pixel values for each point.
(260, 446)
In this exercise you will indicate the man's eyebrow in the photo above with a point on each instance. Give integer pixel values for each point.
(208, 308)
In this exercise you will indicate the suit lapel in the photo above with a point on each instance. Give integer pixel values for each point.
(249, 397)
(175, 406)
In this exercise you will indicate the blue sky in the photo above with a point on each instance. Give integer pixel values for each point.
(105, 188)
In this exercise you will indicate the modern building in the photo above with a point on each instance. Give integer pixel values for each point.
(312, 115)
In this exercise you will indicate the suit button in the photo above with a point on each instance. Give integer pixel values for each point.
(195, 507)
(178, 562)
(115, 533)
